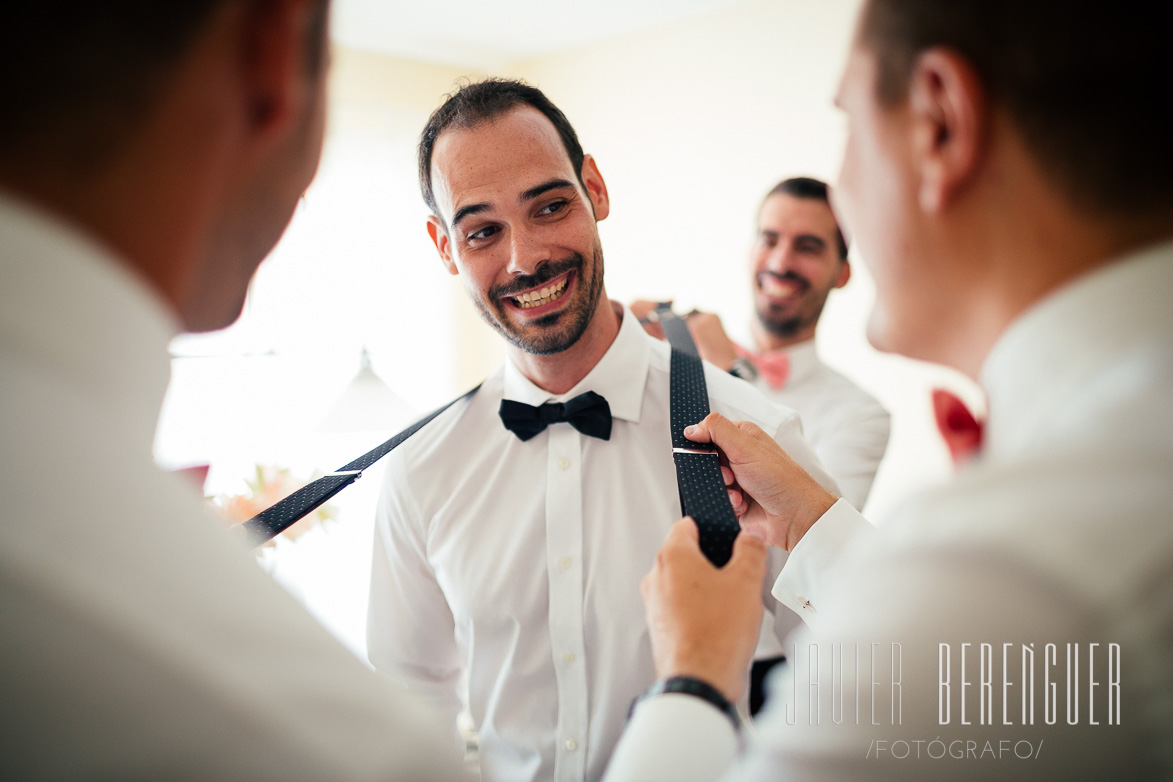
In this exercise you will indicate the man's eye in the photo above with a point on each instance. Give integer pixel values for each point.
(483, 234)
(553, 208)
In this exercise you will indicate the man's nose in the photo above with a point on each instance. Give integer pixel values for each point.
(780, 259)
(526, 252)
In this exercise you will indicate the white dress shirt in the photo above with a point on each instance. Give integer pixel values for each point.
(845, 425)
(139, 640)
(1061, 532)
(519, 562)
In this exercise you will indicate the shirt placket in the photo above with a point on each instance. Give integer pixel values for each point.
(564, 562)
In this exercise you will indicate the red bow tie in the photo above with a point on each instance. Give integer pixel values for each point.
(960, 430)
(773, 365)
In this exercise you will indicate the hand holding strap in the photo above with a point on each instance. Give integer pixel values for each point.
(698, 469)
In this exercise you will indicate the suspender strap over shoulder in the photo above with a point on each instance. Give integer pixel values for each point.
(272, 521)
(698, 471)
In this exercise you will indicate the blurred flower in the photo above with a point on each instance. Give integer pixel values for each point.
(269, 486)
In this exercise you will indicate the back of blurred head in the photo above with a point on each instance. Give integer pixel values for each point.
(180, 134)
(997, 149)
(1085, 87)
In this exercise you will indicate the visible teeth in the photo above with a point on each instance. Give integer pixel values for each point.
(775, 287)
(537, 298)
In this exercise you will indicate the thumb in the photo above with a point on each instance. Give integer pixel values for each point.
(749, 552)
(713, 429)
(684, 531)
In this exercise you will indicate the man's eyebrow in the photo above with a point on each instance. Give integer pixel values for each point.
(812, 238)
(528, 195)
(467, 211)
(536, 192)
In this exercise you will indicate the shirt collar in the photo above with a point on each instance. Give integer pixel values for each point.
(76, 309)
(1063, 343)
(620, 375)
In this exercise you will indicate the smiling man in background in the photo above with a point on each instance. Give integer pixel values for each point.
(513, 530)
(798, 257)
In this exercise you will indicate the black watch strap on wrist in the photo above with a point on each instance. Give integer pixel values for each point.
(687, 685)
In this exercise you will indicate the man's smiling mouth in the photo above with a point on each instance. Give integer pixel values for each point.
(539, 297)
(778, 288)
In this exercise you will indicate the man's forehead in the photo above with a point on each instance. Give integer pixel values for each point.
(502, 156)
(784, 213)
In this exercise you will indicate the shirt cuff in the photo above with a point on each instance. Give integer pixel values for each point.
(675, 738)
(803, 577)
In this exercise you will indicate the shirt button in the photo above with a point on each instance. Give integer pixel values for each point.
(568, 657)
(806, 604)
(564, 563)
(564, 463)
(571, 745)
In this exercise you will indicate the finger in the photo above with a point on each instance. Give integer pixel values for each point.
(719, 430)
(704, 432)
(652, 327)
(749, 551)
(683, 531)
(727, 475)
(752, 431)
(740, 506)
(698, 433)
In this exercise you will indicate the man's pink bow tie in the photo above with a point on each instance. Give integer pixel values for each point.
(773, 365)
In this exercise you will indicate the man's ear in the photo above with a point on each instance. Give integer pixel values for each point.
(443, 246)
(279, 81)
(844, 273)
(596, 188)
(950, 115)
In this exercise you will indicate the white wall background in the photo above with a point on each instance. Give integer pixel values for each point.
(691, 123)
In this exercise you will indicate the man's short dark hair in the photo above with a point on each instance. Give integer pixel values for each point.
(76, 75)
(815, 190)
(483, 101)
(1083, 85)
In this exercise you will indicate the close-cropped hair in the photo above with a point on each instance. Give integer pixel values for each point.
(483, 101)
(815, 190)
(1082, 85)
(77, 75)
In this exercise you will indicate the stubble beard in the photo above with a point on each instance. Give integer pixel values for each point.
(789, 326)
(545, 336)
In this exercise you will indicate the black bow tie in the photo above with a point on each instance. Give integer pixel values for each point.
(589, 413)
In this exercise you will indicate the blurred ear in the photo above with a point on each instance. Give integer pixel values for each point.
(596, 188)
(279, 80)
(443, 246)
(950, 115)
(844, 273)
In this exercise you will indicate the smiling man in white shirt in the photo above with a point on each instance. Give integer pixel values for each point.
(517, 561)
(799, 256)
(1007, 175)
